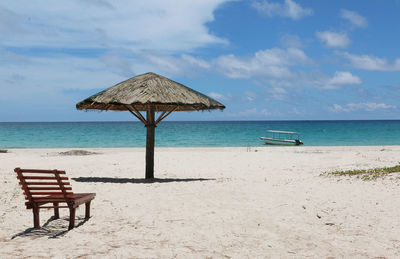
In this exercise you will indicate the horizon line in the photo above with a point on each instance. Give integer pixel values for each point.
(203, 121)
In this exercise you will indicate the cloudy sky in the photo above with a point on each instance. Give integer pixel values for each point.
(263, 59)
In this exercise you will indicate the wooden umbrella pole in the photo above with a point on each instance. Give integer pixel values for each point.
(150, 125)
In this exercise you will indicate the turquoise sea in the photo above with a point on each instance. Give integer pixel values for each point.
(194, 134)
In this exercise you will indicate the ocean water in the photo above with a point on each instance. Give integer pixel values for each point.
(194, 134)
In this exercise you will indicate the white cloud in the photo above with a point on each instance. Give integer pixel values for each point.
(291, 41)
(288, 9)
(338, 80)
(334, 39)
(49, 87)
(33, 78)
(369, 62)
(281, 83)
(278, 93)
(297, 112)
(250, 96)
(170, 65)
(8, 57)
(344, 78)
(272, 63)
(100, 3)
(254, 112)
(60, 72)
(279, 68)
(9, 21)
(118, 65)
(369, 107)
(196, 62)
(167, 25)
(234, 67)
(354, 18)
(219, 96)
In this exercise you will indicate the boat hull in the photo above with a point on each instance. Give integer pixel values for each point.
(283, 142)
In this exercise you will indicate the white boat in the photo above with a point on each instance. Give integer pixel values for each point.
(287, 138)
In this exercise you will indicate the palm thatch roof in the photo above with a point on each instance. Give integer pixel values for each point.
(149, 89)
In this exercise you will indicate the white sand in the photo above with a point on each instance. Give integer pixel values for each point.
(272, 203)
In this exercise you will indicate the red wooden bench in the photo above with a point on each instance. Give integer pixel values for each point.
(42, 187)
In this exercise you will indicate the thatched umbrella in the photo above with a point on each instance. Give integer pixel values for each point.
(149, 93)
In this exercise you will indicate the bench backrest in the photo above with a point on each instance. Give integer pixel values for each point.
(39, 185)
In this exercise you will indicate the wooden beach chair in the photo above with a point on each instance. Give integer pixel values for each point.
(42, 187)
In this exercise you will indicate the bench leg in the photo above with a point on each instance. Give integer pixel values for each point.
(36, 221)
(56, 211)
(71, 218)
(87, 210)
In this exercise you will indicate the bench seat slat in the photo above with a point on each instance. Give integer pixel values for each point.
(46, 183)
(52, 207)
(43, 200)
(43, 178)
(77, 198)
(40, 196)
(49, 199)
(49, 193)
(48, 188)
(41, 171)
(81, 198)
(29, 205)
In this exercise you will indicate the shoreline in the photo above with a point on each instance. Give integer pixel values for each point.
(205, 147)
(140, 151)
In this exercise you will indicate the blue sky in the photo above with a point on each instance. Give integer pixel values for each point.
(265, 60)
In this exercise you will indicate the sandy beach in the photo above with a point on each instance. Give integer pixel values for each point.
(269, 202)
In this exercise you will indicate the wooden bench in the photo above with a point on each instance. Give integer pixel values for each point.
(42, 187)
